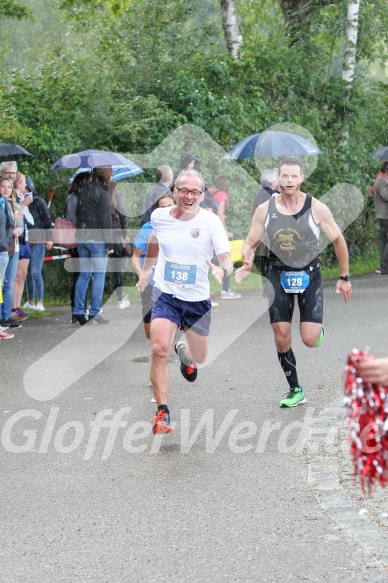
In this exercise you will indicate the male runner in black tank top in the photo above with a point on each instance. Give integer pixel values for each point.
(292, 221)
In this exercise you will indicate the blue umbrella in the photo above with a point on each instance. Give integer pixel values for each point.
(119, 171)
(90, 158)
(272, 144)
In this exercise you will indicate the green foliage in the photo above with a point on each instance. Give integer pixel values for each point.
(124, 74)
(14, 10)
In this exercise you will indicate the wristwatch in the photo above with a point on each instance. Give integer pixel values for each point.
(345, 277)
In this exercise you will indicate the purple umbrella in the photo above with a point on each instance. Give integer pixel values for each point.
(89, 158)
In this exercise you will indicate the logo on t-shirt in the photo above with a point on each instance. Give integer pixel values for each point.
(194, 233)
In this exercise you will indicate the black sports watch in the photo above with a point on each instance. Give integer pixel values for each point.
(345, 277)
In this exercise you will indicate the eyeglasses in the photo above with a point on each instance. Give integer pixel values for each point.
(185, 191)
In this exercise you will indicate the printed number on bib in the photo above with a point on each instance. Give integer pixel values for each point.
(294, 282)
(180, 275)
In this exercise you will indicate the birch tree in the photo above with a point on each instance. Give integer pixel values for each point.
(349, 63)
(232, 27)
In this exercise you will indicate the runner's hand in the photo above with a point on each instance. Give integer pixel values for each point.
(243, 271)
(345, 287)
(217, 271)
(143, 281)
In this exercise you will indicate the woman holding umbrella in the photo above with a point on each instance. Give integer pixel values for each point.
(94, 234)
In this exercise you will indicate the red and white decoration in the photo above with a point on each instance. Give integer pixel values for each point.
(367, 408)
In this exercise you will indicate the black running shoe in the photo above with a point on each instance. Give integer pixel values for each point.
(11, 324)
(81, 319)
(189, 371)
(161, 422)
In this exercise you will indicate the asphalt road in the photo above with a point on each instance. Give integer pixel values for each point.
(88, 494)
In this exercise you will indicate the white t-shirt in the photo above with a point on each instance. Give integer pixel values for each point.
(184, 247)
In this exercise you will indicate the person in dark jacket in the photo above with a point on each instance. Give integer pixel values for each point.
(268, 188)
(40, 237)
(94, 238)
(69, 213)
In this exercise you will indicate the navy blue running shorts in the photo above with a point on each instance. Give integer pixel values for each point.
(193, 315)
(310, 302)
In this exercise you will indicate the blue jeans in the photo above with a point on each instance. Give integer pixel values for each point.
(10, 274)
(35, 285)
(93, 258)
(3, 265)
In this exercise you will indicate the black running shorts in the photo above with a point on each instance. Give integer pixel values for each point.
(310, 301)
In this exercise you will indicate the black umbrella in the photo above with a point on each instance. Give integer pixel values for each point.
(381, 153)
(271, 144)
(9, 152)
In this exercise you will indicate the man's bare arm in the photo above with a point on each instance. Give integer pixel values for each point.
(324, 219)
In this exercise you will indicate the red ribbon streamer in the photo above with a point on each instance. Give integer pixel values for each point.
(367, 408)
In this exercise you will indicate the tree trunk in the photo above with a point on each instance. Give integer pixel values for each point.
(298, 14)
(349, 64)
(231, 26)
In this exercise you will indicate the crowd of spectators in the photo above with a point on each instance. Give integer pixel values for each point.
(95, 206)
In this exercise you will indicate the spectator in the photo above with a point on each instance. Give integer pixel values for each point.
(219, 192)
(94, 236)
(6, 232)
(381, 210)
(268, 188)
(8, 170)
(40, 238)
(82, 179)
(24, 199)
(120, 237)
(164, 178)
(8, 192)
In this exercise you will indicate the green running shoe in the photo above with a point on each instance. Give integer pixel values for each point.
(321, 337)
(294, 398)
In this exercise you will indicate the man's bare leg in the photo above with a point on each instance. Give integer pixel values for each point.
(162, 336)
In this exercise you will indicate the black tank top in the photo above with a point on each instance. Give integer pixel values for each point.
(293, 239)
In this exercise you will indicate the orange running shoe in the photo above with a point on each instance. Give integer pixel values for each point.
(161, 422)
